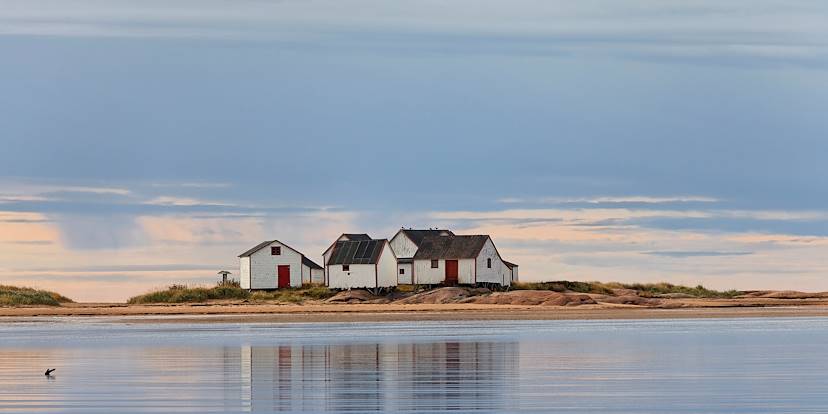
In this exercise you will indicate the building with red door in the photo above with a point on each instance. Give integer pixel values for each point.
(275, 265)
(459, 260)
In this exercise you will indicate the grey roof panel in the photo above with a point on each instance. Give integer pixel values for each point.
(450, 247)
(356, 252)
(417, 236)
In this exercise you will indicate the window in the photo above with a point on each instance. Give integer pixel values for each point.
(435, 264)
(346, 268)
(402, 271)
(489, 263)
(276, 251)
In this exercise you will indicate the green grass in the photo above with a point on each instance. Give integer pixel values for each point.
(294, 295)
(185, 294)
(644, 289)
(231, 291)
(22, 296)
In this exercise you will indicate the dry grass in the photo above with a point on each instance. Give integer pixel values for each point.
(231, 291)
(23, 296)
(643, 289)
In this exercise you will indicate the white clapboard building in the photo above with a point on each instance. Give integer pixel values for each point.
(275, 265)
(344, 237)
(466, 260)
(361, 264)
(405, 244)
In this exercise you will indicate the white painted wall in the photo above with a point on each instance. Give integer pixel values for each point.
(387, 267)
(402, 246)
(499, 272)
(359, 276)
(465, 271)
(425, 275)
(263, 267)
(306, 274)
(404, 279)
(318, 276)
(515, 277)
(244, 272)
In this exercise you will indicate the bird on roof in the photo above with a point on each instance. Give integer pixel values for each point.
(49, 372)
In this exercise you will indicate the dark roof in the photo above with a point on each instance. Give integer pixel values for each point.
(405, 260)
(417, 236)
(356, 236)
(356, 252)
(310, 263)
(509, 264)
(450, 247)
(256, 248)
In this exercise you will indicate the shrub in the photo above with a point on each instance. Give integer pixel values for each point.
(22, 296)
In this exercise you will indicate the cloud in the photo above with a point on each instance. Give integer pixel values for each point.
(184, 202)
(685, 254)
(611, 200)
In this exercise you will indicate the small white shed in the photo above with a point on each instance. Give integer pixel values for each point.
(343, 237)
(275, 265)
(361, 264)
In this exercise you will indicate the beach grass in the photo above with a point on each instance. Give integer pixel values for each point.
(642, 289)
(231, 291)
(24, 296)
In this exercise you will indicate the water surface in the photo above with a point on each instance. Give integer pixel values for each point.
(714, 365)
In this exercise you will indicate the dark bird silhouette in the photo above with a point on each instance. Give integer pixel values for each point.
(49, 371)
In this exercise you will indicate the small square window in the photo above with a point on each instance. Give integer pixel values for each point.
(346, 268)
(489, 263)
(402, 271)
(435, 264)
(276, 251)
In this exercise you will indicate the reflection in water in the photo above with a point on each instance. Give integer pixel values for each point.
(436, 376)
(710, 366)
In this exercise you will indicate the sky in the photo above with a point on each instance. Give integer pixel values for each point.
(145, 143)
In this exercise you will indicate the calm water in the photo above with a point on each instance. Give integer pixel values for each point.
(747, 365)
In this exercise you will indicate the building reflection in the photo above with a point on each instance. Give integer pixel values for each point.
(441, 376)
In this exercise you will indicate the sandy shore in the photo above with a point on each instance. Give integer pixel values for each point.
(245, 312)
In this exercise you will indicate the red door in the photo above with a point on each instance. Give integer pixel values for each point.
(284, 276)
(451, 272)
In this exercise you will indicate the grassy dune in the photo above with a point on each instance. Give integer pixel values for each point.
(185, 294)
(643, 289)
(22, 296)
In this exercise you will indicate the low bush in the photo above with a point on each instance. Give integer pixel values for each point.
(23, 296)
(232, 291)
(643, 289)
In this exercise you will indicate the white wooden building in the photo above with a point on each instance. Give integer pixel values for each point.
(344, 237)
(275, 265)
(465, 260)
(361, 264)
(405, 244)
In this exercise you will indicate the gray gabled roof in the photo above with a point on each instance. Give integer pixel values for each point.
(356, 252)
(417, 236)
(310, 263)
(256, 248)
(450, 247)
(510, 265)
(356, 236)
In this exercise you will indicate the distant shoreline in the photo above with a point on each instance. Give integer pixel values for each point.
(277, 313)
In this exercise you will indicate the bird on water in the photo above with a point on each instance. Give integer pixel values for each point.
(49, 372)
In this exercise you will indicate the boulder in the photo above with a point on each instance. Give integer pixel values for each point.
(441, 295)
(632, 300)
(352, 296)
(535, 297)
